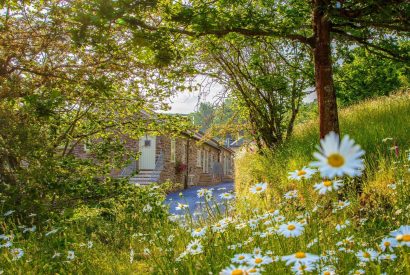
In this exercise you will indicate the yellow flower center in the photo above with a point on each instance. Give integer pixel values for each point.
(300, 255)
(326, 273)
(366, 255)
(327, 183)
(241, 257)
(341, 203)
(335, 160)
(301, 173)
(253, 270)
(271, 211)
(403, 238)
(291, 227)
(302, 267)
(258, 260)
(198, 230)
(237, 272)
(387, 243)
(258, 188)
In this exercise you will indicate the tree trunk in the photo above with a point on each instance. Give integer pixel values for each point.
(326, 94)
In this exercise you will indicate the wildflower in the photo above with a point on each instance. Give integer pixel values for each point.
(56, 255)
(341, 204)
(70, 255)
(304, 173)
(235, 270)
(203, 192)
(147, 208)
(327, 186)
(259, 188)
(194, 247)
(257, 251)
(392, 186)
(328, 270)
(51, 232)
(258, 260)
(367, 255)
(30, 229)
(402, 235)
(312, 243)
(219, 226)
(291, 194)
(279, 219)
(131, 255)
(241, 258)
(291, 229)
(253, 271)
(338, 158)
(8, 213)
(90, 244)
(302, 268)
(17, 253)
(199, 232)
(342, 225)
(387, 244)
(226, 196)
(5, 241)
(389, 257)
(147, 251)
(300, 257)
(181, 206)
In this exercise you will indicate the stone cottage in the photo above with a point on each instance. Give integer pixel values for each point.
(184, 159)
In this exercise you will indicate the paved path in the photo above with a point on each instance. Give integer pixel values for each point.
(190, 196)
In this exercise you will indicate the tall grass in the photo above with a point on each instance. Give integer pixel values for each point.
(369, 123)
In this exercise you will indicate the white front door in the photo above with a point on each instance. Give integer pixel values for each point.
(147, 148)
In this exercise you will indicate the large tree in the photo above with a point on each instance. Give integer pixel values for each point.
(319, 24)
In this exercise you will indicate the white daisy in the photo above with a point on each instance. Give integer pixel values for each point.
(341, 204)
(300, 257)
(357, 272)
(30, 229)
(293, 194)
(387, 244)
(53, 231)
(147, 208)
(342, 225)
(181, 206)
(219, 226)
(194, 247)
(304, 173)
(291, 229)
(302, 268)
(199, 232)
(234, 270)
(241, 258)
(259, 260)
(17, 253)
(259, 188)
(388, 257)
(8, 213)
(327, 186)
(226, 196)
(253, 271)
(338, 158)
(328, 270)
(90, 244)
(70, 255)
(367, 255)
(402, 235)
(203, 192)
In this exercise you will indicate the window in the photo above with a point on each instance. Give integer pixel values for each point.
(199, 158)
(173, 156)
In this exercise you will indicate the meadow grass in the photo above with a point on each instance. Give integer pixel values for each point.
(343, 230)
